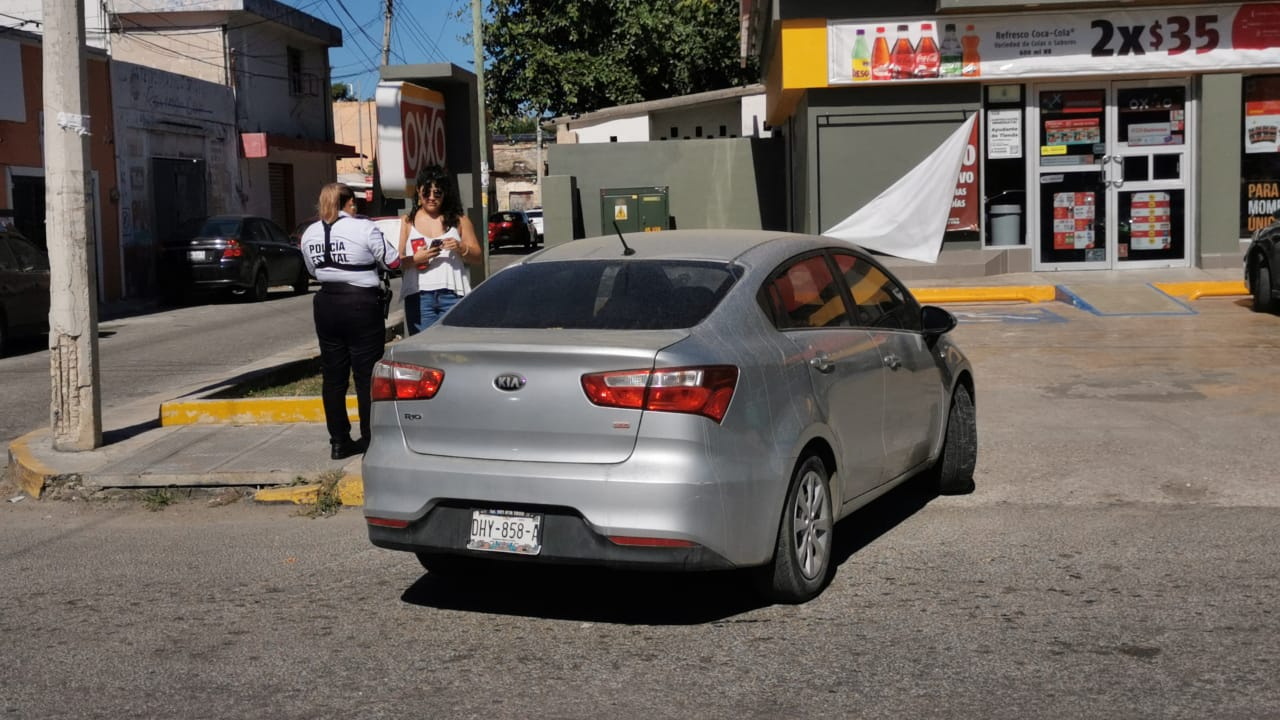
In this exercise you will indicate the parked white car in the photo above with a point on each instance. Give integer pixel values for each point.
(535, 215)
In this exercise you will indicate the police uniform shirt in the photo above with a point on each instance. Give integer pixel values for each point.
(356, 248)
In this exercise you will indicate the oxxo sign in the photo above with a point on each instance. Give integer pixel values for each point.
(411, 134)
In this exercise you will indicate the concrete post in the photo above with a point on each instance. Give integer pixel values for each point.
(75, 409)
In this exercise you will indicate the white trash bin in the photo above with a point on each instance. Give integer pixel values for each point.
(1006, 224)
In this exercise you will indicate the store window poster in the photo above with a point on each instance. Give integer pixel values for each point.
(1262, 115)
(1073, 218)
(1149, 221)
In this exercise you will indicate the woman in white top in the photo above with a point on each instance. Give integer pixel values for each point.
(442, 242)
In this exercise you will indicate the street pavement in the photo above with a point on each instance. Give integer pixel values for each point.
(278, 448)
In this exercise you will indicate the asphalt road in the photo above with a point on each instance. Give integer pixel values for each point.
(1119, 559)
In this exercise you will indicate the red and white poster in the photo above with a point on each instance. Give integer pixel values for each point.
(1073, 217)
(964, 203)
(1149, 221)
(1262, 126)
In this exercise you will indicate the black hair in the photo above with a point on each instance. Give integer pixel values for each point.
(450, 204)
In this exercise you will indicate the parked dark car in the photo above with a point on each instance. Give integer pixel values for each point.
(1262, 267)
(24, 287)
(511, 227)
(240, 253)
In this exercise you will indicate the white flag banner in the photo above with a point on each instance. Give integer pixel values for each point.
(909, 218)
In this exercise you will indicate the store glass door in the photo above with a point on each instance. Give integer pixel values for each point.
(1112, 175)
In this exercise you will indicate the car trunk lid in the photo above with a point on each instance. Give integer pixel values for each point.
(517, 394)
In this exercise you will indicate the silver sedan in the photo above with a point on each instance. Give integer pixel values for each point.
(692, 400)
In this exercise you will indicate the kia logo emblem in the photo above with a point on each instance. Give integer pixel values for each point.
(510, 382)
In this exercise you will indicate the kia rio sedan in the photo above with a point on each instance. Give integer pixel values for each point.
(690, 400)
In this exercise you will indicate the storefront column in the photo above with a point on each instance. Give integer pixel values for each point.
(1218, 199)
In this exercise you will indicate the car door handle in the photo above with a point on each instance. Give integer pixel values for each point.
(821, 363)
(892, 362)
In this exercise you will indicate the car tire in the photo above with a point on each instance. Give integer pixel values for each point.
(258, 292)
(303, 281)
(802, 555)
(1263, 298)
(953, 472)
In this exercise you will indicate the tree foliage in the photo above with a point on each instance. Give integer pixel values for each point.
(560, 57)
(340, 92)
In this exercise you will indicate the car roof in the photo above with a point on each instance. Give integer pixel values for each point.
(724, 245)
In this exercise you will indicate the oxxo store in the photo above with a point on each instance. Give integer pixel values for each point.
(1107, 139)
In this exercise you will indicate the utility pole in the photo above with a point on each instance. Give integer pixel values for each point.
(386, 37)
(482, 131)
(75, 409)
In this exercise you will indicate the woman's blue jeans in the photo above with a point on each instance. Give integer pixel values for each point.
(423, 309)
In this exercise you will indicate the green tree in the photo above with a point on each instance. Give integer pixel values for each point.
(559, 57)
(340, 92)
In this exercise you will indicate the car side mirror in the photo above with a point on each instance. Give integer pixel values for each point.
(934, 321)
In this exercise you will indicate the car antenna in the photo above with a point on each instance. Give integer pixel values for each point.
(626, 250)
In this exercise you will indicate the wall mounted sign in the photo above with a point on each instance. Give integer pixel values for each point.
(411, 134)
(1156, 39)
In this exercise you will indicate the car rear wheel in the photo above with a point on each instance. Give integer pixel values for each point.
(953, 472)
(259, 291)
(801, 564)
(1263, 300)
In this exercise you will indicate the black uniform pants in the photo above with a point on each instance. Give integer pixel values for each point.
(352, 337)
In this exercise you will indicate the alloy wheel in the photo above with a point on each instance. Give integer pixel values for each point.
(812, 525)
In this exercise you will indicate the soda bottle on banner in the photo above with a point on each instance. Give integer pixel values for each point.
(861, 57)
(902, 59)
(971, 60)
(880, 63)
(928, 59)
(951, 55)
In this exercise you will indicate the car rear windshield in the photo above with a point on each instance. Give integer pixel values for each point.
(597, 294)
(220, 227)
(504, 217)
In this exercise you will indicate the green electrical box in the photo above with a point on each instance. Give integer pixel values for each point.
(641, 209)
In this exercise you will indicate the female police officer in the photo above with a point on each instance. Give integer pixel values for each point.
(343, 252)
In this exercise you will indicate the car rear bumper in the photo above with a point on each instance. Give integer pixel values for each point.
(667, 491)
(209, 276)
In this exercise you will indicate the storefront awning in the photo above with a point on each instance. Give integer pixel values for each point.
(259, 145)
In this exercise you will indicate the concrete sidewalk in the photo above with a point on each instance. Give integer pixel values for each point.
(279, 447)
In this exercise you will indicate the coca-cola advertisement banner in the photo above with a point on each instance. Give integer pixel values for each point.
(1183, 38)
(411, 134)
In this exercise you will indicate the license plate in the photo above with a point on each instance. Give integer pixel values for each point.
(506, 531)
(197, 255)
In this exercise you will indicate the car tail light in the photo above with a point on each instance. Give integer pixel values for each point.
(492, 229)
(233, 249)
(387, 522)
(649, 541)
(402, 381)
(702, 391)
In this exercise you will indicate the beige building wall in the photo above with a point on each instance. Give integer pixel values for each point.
(515, 175)
(356, 124)
(195, 53)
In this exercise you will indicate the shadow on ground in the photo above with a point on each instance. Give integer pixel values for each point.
(635, 597)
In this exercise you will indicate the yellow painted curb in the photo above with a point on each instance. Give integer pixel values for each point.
(350, 492)
(1197, 290)
(248, 411)
(994, 293)
(29, 472)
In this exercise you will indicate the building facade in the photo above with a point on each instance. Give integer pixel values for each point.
(1107, 138)
(22, 186)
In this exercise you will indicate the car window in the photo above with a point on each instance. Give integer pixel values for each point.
(187, 229)
(7, 261)
(220, 227)
(597, 294)
(277, 235)
(805, 295)
(879, 301)
(29, 256)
